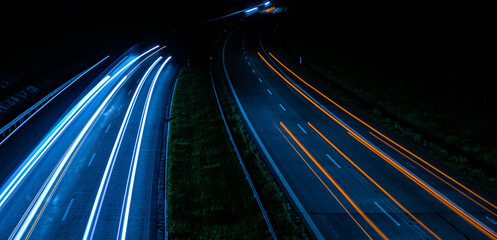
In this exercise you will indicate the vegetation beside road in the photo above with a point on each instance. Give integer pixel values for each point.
(208, 195)
(285, 220)
(449, 119)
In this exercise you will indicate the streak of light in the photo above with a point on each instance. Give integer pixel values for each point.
(22, 171)
(57, 92)
(251, 10)
(25, 168)
(373, 181)
(447, 202)
(324, 184)
(393, 142)
(440, 197)
(269, 10)
(97, 204)
(136, 153)
(377, 230)
(424, 168)
(61, 168)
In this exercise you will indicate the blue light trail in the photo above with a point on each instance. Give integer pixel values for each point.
(95, 212)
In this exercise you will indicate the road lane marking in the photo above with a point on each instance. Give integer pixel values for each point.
(65, 166)
(48, 141)
(388, 215)
(373, 181)
(410, 165)
(269, 92)
(468, 217)
(282, 107)
(67, 210)
(337, 186)
(441, 179)
(253, 70)
(333, 161)
(324, 184)
(95, 212)
(432, 191)
(91, 159)
(291, 193)
(136, 153)
(398, 145)
(260, 80)
(62, 167)
(120, 106)
(106, 130)
(249, 65)
(130, 92)
(52, 182)
(301, 128)
(246, 57)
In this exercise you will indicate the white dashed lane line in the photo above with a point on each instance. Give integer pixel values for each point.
(338, 166)
(301, 128)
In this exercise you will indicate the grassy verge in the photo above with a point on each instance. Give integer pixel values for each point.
(450, 128)
(285, 220)
(208, 195)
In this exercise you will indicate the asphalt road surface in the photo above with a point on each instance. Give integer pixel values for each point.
(91, 173)
(84, 167)
(346, 176)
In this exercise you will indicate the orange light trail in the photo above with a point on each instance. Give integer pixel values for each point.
(421, 166)
(474, 222)
(463, 214)
(374, 182)
(269, 10)
(321, 180)
(382, 135)
(335, 183)
(300, 92)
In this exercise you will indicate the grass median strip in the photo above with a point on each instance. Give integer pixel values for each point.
(284, 219)
(208, 195)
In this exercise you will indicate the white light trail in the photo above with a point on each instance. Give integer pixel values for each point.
(136, 153)
(97, 204)
(48, 141)
(34, 210)
(22, 171)
(15, 179)
(251, 10)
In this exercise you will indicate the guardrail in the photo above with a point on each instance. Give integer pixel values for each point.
(11, 127)
(247, 176)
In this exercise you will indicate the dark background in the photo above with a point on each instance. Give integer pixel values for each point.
(448, 46)
(41, 36)
(429, 63)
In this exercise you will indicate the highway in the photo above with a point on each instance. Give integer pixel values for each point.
(347, 177)
(86, 166)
